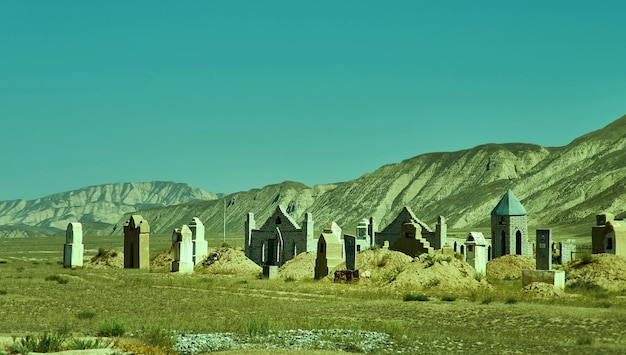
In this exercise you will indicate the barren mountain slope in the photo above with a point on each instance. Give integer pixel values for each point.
(557, 185)
(565, 185)
(97, 204)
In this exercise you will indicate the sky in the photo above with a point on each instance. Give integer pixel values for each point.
(233, 95)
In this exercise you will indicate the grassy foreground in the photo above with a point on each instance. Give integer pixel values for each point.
(38, 296)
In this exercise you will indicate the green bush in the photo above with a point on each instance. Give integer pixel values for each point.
(58, 278)
(157, 336)
(510, 300)
(448, 298)
(290, 279)
(112, 329)
(585, 340)
(3, 292)
(415, 297)
(486, 300)
(83, 344)
(42, 344)
(85, 314)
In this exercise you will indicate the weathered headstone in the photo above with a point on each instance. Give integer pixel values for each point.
(476, 252)
(183, 250)
(136, 243)
(200, 245)
(567, 248)
(329, 250)
(544, 272)
(73, 248)
(544, 249)
(350, 246)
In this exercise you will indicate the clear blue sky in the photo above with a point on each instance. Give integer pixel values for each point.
(233, 95)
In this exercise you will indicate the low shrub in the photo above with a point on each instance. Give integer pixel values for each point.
(58, 278)
(85, 314)
(47, 343)
(112, 329)
(157, 336)
(83, 344)
(415, 297)
(486, 300)
(510, 300)
(448, 298)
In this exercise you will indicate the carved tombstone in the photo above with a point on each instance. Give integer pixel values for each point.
(544, 249)
(476, 253)
(329, 250)
(73, 248)
(200, 245)
(183, 250)
(350, 246)
(136, 243)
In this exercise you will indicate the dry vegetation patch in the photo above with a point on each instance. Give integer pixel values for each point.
(509, 267)
(106, 259)
(302, 267)
(542, 290)
(231, 262)
(432, 271)
(606, 272)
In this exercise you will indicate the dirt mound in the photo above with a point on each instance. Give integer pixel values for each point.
(436, 272)
(230, 262)
(163, 260)
(509, 267)
(541, 289)
(106, 259)
(379, 263)
(299, 268)
(606, 272)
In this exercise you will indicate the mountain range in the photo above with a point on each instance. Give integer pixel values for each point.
(559, 186)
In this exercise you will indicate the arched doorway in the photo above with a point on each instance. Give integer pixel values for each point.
(518, 243)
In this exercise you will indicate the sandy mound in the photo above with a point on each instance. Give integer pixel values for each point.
(509, 267)
(437, 272)
(163, 260)
(605, 272)
(541, 289)
(230, 262)
(379, 263)
(299, 268)
(106, 259)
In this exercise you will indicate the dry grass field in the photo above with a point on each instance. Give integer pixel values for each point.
(38, 296)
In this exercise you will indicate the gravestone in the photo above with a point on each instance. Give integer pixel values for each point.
(136, 243)
(476, 252)
(567, 248)
(544, 249)
(350, 246)
(183, 250)
(73, 248)
(200, 245)
(543, 272)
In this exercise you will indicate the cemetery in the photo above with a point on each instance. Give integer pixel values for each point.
(285, 267)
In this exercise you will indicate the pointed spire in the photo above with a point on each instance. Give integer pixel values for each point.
(509, 205)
